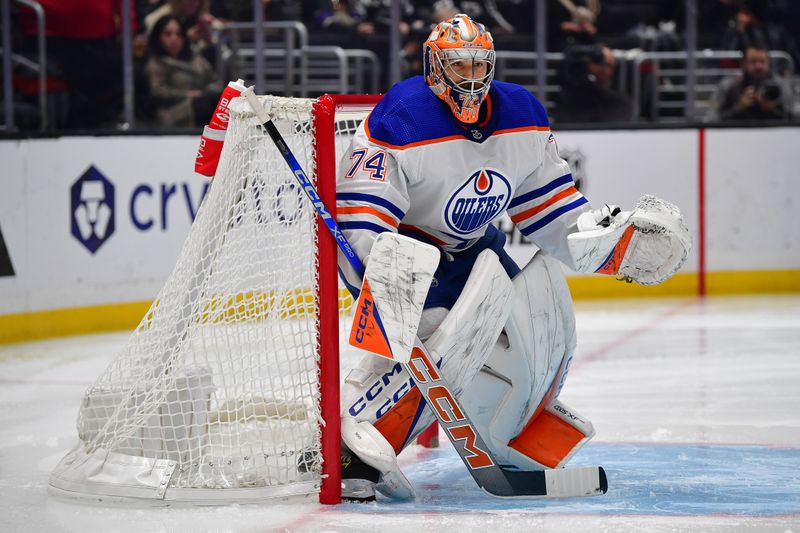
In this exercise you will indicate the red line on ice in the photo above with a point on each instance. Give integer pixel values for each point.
(603, 351)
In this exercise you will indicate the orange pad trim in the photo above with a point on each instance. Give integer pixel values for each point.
(614, 261)
(396, 424)
(367, 332)
(547, 439)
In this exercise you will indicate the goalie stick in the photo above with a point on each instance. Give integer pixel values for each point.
(491, 477)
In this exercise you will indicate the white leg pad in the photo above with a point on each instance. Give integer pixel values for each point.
(528, 364)
(371, 447)
(463, 341)
(465, 338)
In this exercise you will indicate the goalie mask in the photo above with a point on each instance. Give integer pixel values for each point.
(458, 62)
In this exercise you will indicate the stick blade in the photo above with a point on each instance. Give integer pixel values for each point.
(558, 483)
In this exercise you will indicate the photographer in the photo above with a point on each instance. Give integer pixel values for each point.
(755, 94)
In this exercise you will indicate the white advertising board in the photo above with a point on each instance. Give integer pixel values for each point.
(97, 220)
(753, 199)
(93, 220)
(618, 167)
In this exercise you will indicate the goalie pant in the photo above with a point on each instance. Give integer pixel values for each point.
(487, 351)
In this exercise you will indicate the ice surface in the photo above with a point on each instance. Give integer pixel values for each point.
(696, 405)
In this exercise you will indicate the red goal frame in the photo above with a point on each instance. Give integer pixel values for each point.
(324, 120)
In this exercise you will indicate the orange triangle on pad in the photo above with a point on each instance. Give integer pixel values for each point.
(367, 331)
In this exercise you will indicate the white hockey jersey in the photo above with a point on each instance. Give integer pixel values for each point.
(412, 167)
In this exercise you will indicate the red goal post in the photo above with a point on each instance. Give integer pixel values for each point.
(326, 160)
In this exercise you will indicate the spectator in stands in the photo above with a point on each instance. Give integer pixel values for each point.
(183, 86)
(375, 17)
(586, 95)
(83, 46)
(353, 17)
(571, 22)
(195, 18)
(519, 14)
(367, 24)
(755, 94)
(486, 11)
(752, 27)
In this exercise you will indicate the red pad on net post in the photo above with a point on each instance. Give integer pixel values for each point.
(209, 151)
(214, 134)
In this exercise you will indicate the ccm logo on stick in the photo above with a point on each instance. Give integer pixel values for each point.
(440, 399)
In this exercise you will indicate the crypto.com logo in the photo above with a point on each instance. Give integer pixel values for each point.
(92, 208)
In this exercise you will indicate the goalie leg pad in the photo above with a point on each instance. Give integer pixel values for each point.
(468, 333)
(553, 436)
(526, 370)
(386, 395)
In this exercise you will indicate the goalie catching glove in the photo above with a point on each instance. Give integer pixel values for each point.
(647, 245)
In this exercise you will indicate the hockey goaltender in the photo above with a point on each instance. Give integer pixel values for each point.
(438, 159)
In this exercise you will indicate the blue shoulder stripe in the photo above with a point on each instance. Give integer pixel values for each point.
(541, 191)
(371, 199)
(539, 224)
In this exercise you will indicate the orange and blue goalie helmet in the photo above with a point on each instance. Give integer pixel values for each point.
(458, 61)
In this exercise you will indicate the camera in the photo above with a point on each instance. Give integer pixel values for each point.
(770, 90)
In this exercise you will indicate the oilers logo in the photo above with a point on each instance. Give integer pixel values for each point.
(483, 197)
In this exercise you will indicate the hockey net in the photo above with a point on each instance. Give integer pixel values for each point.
(228, 388)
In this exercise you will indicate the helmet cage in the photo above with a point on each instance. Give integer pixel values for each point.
(468, 86)
(463, 93)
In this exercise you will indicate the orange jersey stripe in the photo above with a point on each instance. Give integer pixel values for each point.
(444, 139)
(409, 145)
(367, 211)
(528, 213)
(522, 128)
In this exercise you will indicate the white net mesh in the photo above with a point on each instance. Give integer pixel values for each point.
(217, 387)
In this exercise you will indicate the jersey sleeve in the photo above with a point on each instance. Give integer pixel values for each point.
(546, 206)
(371, 198)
